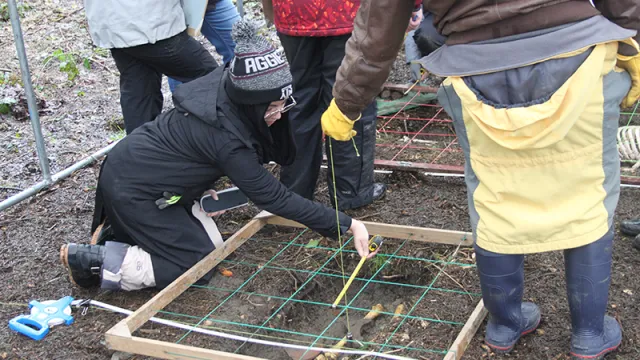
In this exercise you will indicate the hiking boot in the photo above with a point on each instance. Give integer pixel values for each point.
(630, 227)
(83, 262)
(103, 233)
(502, 284)
(588, 272)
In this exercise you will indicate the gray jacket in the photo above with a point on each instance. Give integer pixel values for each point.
(127, 23)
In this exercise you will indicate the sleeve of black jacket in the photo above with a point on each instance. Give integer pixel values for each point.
(241, 165)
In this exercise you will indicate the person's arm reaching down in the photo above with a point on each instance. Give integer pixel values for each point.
(243, 169)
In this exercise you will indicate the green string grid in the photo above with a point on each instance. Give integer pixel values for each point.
(263, 326)
(243, 284)
(400, 257)
(287, 334)
(632, 113)
(318, 303)
(271, 267)
(283, 331)
(426, 291)
(352, 300)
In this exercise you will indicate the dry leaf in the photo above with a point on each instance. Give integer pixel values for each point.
(4, 355)
(226, 272)
(540, 332)
(627, 291)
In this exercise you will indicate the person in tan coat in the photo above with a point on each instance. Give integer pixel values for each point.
(534, 88)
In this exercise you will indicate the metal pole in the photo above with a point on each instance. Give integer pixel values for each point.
(28, 89)
(240, 7)
(61, 175)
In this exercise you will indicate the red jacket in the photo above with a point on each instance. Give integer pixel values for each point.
(316, 17)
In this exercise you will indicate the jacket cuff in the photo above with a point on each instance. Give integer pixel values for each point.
(345, 224)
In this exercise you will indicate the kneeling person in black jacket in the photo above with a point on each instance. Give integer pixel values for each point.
(226, 123)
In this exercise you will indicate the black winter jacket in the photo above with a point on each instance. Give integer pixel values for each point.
(205, 137)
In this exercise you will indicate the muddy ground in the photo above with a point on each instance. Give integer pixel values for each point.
(81, 115)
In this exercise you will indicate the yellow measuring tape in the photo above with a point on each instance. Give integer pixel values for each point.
(374, 244)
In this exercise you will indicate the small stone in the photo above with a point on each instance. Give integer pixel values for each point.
(208, 323)
(4, 355)
(405, 337)
(242, 317)
(613, 306)
(540, 332)
(627, 291)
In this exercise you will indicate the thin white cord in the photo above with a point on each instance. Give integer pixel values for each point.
(629, 144)
(240, 338)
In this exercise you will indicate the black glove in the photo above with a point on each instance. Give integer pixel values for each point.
(167, 200)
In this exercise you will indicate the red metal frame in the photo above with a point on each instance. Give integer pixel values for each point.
(426, 132)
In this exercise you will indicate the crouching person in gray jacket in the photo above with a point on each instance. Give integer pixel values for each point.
(147, 39)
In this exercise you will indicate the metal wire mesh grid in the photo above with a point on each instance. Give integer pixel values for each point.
(417, 132)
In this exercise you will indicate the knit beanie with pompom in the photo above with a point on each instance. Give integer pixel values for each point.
(258, 73)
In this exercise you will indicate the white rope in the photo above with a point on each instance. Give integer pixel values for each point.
(240, 338)
(629, 144)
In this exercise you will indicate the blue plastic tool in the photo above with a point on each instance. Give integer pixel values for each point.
(44, 315)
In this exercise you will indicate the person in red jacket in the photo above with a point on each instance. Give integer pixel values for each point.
(314, 34)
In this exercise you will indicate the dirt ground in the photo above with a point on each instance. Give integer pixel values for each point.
(82, 115)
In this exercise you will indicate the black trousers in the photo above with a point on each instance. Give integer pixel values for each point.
(314, 62)
(141, 68)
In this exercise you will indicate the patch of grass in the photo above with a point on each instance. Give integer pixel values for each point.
(376, 262)
(6, 104)
(115, 123)
(4, 10)
(120, 134)
(9, 79)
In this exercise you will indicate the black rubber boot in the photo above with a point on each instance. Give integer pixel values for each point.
(502, 283)
(83, 262)
(588, 271)
(630, 227)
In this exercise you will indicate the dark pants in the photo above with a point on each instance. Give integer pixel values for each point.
(314, 62)
(141, 68)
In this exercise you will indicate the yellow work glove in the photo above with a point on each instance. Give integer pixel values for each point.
(336, 124)
(632, 65)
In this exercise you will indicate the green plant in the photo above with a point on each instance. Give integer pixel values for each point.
(376, 262)
(117, 136)
(9, 79)
(67, 63)
(6, 104)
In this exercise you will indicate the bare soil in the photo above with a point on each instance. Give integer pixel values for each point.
(83, 115)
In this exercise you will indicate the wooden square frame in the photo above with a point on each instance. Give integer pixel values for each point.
(120, 337)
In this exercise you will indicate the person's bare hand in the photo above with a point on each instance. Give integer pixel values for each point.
(416, 19)
(214, 195)
(361, 239)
